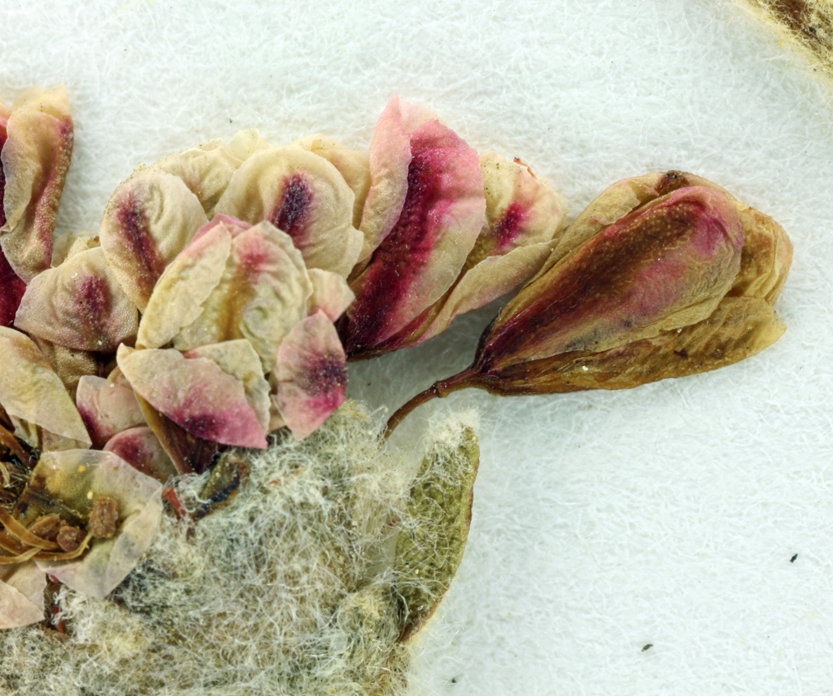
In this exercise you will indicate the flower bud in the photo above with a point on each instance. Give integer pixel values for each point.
(662, 276)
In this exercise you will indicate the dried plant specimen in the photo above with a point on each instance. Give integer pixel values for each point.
(804, 24)
(36, 149)
(662, 276)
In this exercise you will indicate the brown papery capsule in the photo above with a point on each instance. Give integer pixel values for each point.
(663, 275)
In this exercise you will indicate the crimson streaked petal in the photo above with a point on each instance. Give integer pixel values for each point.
(35, 159)
(79, 305)
(195, 394)
(303, 195)
(421, 257)
(149, 219)
(106, 408)
(311, 374)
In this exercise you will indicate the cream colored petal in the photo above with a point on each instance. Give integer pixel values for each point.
(31, 391)
(205, 169)
(331, 294)
(35, 160)
(264, 292)
(79, 305)
(354, 166)
(178, 297)
(21, 595)
(491, 278)
(303, 195)
(149, 219)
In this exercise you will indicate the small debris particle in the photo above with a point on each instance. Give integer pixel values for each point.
(792, 560)
(648, 647)
(69, 538)
(104, 516)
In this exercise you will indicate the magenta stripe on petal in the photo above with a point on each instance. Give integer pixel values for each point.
(422, 255)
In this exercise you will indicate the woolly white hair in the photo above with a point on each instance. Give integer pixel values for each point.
(289, 589)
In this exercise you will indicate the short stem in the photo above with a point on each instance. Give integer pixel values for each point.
(439, 389)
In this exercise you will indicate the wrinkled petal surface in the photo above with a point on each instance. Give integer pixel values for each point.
(149, 219)
(79, 305)
(195, 394)
(35, 159)
(178, 297)
(331, 294)
(303, 195)
(263, 293)
(311, 374)
(31, 391)
(353, 165)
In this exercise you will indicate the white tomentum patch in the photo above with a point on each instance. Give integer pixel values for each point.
(291, 588)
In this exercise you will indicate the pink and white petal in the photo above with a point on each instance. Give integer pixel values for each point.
(311, 374)
(264, 292)
(140, 448)
(178, 297)
(195, 394)
(491, 278)
(354, 166)
(106, 408)
(31, 391)
(78, 478)
(149, 219)
(238, 359)
(521, 208)
(331, 293)
(21, 595)
(422, 256)
(35, 159)
(303, 195)
(390, 156)
(79, 305)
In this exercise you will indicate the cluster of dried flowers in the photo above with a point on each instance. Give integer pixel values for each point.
(230, 283)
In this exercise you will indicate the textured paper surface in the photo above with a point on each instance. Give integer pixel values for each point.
(603, 522)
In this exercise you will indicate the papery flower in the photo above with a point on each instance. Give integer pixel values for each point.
(662, 276)
(445, 232)
(35, 149)
(237, 338)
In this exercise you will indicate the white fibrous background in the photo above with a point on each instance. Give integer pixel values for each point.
(603, 522)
